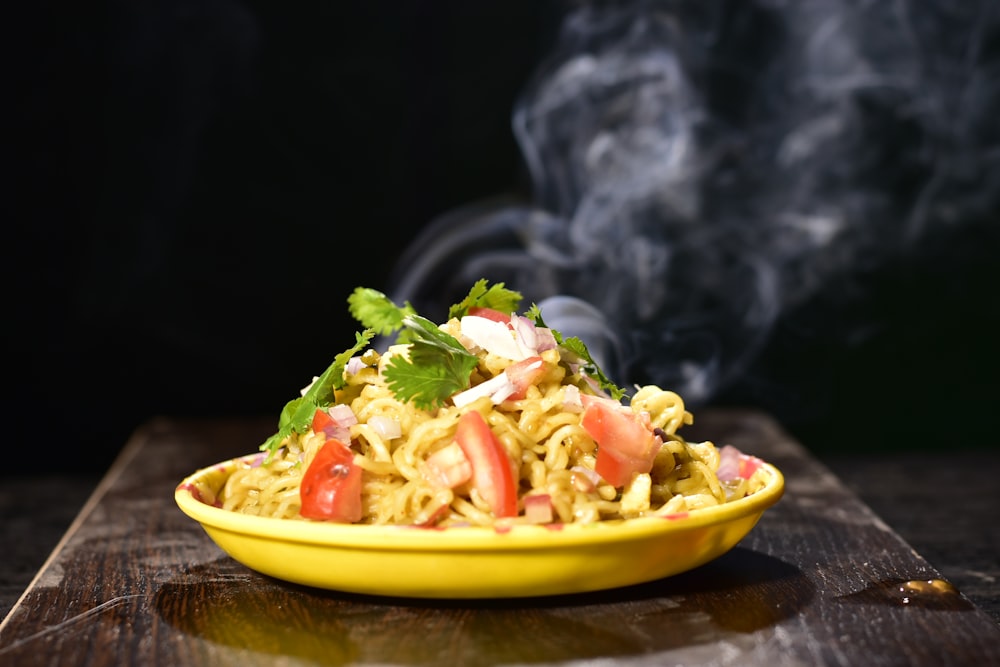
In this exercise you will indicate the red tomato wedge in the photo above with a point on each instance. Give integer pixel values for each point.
(492, 473)
(490, 314)
(523, 374)
(322, 421)
(625, 443)
(331, 486)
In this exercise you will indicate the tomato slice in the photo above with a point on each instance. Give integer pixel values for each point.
(331, 486)
(492, 473)
(523, 374)
(322, 421)
(625, 443)
(490, 314)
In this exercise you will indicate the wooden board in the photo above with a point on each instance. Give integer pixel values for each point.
(821, 580)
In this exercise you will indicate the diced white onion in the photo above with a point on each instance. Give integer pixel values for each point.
(494, 337)
(496, 387)
(354, 365)
(571, 399)
(387, 427)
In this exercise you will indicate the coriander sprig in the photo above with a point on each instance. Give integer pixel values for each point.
(297, 414)
(577, 348)
(377, 311)
(483, 295)
(435, 365)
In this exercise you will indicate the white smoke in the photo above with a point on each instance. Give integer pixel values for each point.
(701, 169)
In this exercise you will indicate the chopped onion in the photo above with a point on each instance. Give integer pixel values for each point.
(447, 467)
(538, 508)
(585, 479)
(546, 339)
(335, 432)
(355, 365)
(343, 418)
(496, 338)
(343, 414)
(571, 399)
(734, 464)
(387, 427)
(596, 386)
(498, 388)
(525, 334)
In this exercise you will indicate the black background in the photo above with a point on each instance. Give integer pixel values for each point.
(197, 186)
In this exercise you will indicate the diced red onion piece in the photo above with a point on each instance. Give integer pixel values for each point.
(538, 508)
(596, 386)
(729, 464)
(354, 365)
(335, 432)
(587, 474)
(343, 414)
(525, 335)
(546, 339)
(734, 464)
(343, 418)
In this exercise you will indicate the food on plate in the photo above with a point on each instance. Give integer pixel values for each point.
(490, 418)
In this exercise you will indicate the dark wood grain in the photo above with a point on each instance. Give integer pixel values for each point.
(820, 581)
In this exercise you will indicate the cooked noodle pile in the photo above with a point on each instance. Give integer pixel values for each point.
(552, 455)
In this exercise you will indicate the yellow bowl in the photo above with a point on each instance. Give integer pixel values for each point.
(467, 561)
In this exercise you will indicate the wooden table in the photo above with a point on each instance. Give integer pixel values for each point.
(821, 580)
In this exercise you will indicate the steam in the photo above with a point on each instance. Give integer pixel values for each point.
(701, 169)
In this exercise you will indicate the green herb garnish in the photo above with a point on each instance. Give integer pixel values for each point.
(377, 311)
(298, 413)
(435, 365)
(482, 295)
(576, 347)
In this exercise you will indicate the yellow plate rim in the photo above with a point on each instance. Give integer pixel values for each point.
(459, 538)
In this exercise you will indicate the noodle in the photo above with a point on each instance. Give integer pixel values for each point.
(551, 452)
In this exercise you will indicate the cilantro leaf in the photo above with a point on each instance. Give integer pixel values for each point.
(535, 315)
(430, 375)
(577, 348)
(297, 414)
(438, 365)
(334, 375)
(421, 329)
(483, 295)
(377, 311)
